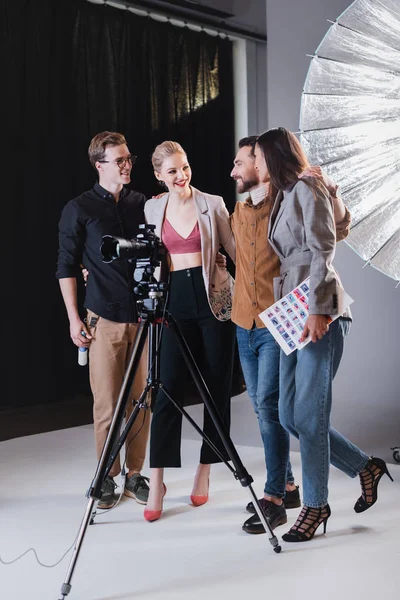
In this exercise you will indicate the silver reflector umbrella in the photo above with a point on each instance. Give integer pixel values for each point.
(350, 124)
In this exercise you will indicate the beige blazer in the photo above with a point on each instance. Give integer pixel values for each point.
(215, 231)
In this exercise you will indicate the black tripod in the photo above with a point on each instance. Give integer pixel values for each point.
(153, 318)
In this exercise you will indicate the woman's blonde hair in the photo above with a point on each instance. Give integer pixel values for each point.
(163, 151)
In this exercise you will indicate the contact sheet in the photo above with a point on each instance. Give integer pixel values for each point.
(286, 318)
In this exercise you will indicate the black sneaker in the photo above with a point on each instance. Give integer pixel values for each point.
(275, 514)
(291, 500)
(108, 496)
(137, 487)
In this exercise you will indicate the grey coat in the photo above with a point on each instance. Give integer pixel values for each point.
(302, 232)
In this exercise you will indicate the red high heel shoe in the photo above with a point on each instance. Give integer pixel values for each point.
(153, 515)
(199, 500)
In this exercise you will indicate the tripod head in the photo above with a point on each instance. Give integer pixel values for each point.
(151, 304)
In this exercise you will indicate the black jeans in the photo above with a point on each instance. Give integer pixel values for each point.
(188, 304)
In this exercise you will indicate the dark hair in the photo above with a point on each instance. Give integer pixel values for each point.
(284, 156)
(249, 141)
(100, 142)
(286, 159)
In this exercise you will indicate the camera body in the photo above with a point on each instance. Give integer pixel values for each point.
(146, 252)
(146, 246)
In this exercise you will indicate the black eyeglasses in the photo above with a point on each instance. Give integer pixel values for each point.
(121, 162)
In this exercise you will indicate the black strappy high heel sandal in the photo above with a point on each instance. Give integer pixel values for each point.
(307, 524)
(370, 477)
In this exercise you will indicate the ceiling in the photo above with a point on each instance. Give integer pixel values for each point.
(248, 15)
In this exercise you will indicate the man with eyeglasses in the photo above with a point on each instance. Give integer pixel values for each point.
(111, 323)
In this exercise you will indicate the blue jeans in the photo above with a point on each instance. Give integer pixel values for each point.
(259, 357)
(304, 410)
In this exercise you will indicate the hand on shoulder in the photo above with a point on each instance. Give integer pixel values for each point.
(316, 172)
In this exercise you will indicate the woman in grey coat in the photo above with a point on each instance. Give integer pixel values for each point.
(302, 233)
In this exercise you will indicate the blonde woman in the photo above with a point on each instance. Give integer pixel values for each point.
(192, 225)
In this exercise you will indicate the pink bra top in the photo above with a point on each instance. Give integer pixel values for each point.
(176, 244)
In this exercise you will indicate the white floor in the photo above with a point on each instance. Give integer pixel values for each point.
(190, 553)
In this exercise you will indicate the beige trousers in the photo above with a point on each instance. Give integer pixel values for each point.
(109, 354)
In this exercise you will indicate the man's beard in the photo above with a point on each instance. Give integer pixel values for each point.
(247, 185)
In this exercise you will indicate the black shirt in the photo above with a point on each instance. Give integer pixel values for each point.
(83, 222)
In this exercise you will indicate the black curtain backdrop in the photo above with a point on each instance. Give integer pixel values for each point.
(72, 69)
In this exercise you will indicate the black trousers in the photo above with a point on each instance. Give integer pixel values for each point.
(188, 304)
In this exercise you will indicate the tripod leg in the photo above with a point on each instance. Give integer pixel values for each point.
(104, 464)
(240, 471)
(267, 526)
(66, 586)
